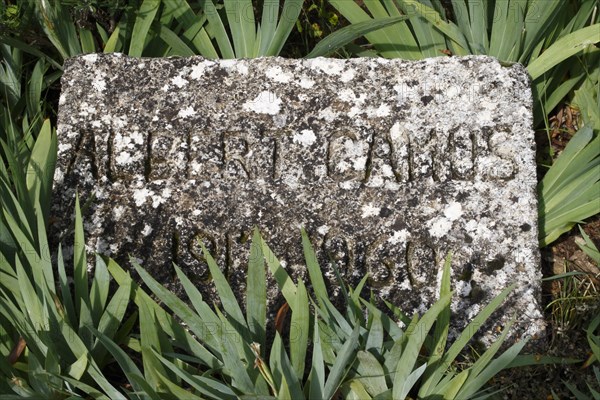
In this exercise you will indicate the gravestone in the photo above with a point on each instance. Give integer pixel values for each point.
(388, 165)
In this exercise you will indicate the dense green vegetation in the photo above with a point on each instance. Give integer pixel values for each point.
(73, 336)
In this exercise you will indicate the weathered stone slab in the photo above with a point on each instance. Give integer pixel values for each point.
(388, 164)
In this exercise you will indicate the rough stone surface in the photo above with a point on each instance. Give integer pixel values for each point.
(388, 164)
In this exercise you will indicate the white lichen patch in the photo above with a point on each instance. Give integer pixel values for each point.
(123, 158)
(306, 138)
(329, 66)
(179, 81)
(118, 211)
(90, 58)
(99, 84)
(278, 75)
(186, 112)
(453, 211)
(147, 230)
(305, 83)
(141, 195)
(440, 227)
(323, 230)
(265, 102)
(400, 236)
(348, 75)
(369, 210)
(198, 70)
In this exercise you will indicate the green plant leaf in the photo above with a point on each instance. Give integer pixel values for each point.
(143, 21)
(316, 377)
(564, 48)
(416, 338)
(217, 28)
(228, 300)
(77, 369)
(568, 191)
(588, 247)
(206, 386)
(126, 363)
(289, 15)
(370, 373)
(347, 34)
(283, 372)
(343, 360)
(80, 261)
(99, 289)
(256, 307)
(300, 325)
(477, 381)
(285, 283)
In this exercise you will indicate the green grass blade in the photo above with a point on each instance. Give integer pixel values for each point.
(468, 332)
(479, 12)
(65, 291)
(178, 46)
(564, 48)
(542, 16)
(344, 359)
(285, 283)
(411, 380)
(283, 372)
(268, 24)
(30, 298)
(401, 33)
(449, 29)
(370, 373)
(149, 340)
(289, 16)
(59, 27)
(588, 247)
(240, 16)
(347, 34)
(314, 270)
(416, 338)
(316, 378)
(99, 290)
(45, 262)
(506, 28)
(112, 316)
(193, 26)
(206, 386)
(300, 325)
(477, 381)
(440, 335)
(79, 261)
(16, 43)
(40, 169)
(218, 29)
(181, 336)
(113, 41)
(375, 330)
(34, 89)
(256, 307)
(228, 300)
(385, 40)
(390, 326)
(556, 176)
(194, 321)
(86, 38)
(235, 366)
(143, 21)
(126, 363)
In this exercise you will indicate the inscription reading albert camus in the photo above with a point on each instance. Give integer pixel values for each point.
(387, 164)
